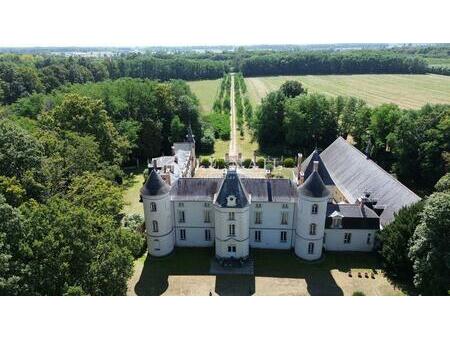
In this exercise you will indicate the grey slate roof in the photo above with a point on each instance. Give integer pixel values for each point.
(270, 190)
(308, 164)
(195, 189)
(314, 186)
(353, 174)
(232, 185)
(354, 217)
(155, 185)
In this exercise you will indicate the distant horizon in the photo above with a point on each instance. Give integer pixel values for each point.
(331, 44)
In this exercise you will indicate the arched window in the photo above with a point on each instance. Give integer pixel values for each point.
(155, 226)
(153, 206)
(314, 209)
(312, 229)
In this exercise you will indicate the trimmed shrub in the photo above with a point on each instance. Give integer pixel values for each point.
(205, 162)
(289, 162)
(247, 163)
(358, 293)
(260, 163)
(219, 163)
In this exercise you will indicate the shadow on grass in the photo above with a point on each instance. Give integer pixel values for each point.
(268, 263)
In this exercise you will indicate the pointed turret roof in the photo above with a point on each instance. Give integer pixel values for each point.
(155, 185)
(314, 186)
(233, 188)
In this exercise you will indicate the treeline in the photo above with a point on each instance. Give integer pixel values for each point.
(413, 144)
(23, 75)
(244, 110)
(415, 247)
(331, 63)
(218, 121)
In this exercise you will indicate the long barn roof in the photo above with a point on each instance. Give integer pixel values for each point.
(353, 174)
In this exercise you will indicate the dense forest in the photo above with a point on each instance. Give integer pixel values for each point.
(62, 230)
(413, 144)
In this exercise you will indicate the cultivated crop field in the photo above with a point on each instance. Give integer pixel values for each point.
(407, 91)
(206, 91)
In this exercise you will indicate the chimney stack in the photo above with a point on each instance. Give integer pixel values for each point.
(316, 166)
(155, 164)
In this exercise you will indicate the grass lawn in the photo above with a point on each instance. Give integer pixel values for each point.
(186, 272)
(220, 148)
(245, 144)
(408, 91)
(206, 91)
(283, 172)
(132, 185)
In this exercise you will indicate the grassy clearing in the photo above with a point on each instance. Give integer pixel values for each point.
(206, 91)
(220, 148)
(186, 272)
(132, 185)
(245, 144)
(408, 91)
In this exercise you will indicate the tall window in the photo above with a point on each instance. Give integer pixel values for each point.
(347, 237)
(232, 230)
(310, 248)
(283, 236)
(156, 245)
(258, 205)
(207, 217)
(181, 218)
(314, 209)
(285, 206)
(312, 229)
(181, 204)
(231, 216)
(258, 217)
(183, 234)
(206, 205)
(369, 238)
(153, 206)
(155, 226)
(284, 217)
(258, 236)
(207, 235)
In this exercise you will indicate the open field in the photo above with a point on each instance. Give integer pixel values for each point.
(408, 91)
(186, 272)
(206, 91)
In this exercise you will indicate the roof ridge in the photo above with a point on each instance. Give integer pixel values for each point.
(364, 156)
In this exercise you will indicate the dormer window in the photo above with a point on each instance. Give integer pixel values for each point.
(337, 222)
(231, 201)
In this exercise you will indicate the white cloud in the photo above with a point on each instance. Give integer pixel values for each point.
(237, 22)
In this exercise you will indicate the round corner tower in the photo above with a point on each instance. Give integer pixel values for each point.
(158, 220)
(312, 209)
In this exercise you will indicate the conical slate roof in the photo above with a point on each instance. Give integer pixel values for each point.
(314, 186)
(232, 186)
(155, 185)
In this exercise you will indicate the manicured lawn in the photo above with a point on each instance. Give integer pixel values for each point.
(186, 272)
(220, 148)
(206, 91)
(132, 185)
(245, 144)
(408, 91)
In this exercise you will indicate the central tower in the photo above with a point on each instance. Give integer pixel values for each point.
(231, 207)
